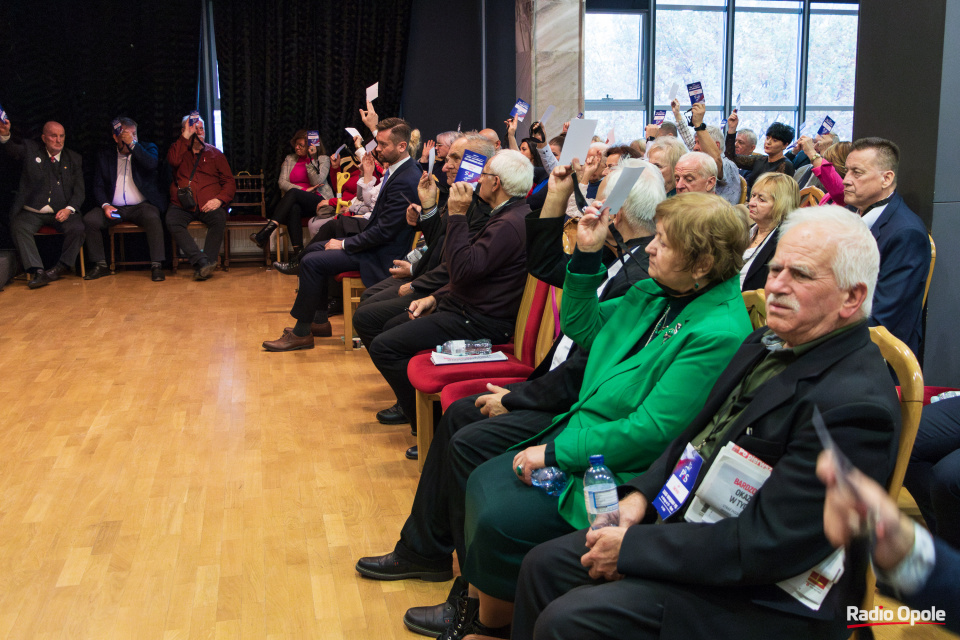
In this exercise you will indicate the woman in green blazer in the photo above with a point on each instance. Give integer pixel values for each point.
(654, 355)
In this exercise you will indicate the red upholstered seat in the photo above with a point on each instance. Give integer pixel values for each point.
(46, 230)
(428, 378)
(347, 274)
(453, 392)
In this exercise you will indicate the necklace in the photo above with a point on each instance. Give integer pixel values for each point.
(657, 327)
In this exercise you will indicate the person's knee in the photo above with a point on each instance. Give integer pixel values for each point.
(945, 478)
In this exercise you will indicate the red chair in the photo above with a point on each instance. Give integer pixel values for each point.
(429, 380)
(47, 230)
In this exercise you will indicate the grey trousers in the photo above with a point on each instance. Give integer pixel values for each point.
(26, 223)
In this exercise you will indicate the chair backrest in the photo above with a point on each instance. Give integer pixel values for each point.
(743, 190)
(933, 261)
(905, 365)
(249, 193)
(529, 318)
(549, 326)
(810, 197)
(756, 302)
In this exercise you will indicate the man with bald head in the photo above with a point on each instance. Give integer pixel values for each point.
(51, 193)
(492, 136)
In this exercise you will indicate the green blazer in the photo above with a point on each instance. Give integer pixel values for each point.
(631, 409)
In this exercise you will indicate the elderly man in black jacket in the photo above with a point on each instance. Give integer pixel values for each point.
(126, 190)
(51, 193)
(664, 573)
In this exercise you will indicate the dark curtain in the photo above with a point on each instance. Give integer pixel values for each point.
(286, 65)
(83, 63)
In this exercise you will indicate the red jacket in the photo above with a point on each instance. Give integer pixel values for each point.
(213, 178)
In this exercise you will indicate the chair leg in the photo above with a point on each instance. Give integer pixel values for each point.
(424, 424)
(226, 249)
(83, 264)
(174, 256)
(113, 250)
(347, 315)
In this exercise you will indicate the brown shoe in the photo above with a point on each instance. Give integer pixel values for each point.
(289, 342)
(318, 330)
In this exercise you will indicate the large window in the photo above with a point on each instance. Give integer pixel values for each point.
(769, 57)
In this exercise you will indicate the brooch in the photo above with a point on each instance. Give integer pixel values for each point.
(671, 331)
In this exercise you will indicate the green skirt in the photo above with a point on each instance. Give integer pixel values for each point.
(504, 520)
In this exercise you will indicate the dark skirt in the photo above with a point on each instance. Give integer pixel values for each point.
(504, 520)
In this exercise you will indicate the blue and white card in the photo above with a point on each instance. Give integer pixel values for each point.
(680, 484)
(827, 126)
(580, 116)
(520, 110)
(117, 126)
(737, 104)
(659, 116)
(3, 115)
(577, 143)
(547, 114)
(313, 138)
(194, 118)
(339, 149)
(471, 166)
(695, 89)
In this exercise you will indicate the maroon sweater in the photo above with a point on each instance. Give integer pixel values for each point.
(488, 271)
(213, 178)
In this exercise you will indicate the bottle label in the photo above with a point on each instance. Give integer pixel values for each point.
(602, 501)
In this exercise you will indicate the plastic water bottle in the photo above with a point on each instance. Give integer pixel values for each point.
(946, 395)
(600, 494)
(553, 480)
(482, 347)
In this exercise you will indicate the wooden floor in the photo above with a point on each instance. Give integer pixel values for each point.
(163, 477)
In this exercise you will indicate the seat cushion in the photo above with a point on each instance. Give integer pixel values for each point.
(453, 392)
(46, 230)
(347, 274)
(429, 378)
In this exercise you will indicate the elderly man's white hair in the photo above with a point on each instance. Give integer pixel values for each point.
(748, 135)
(716, 134)
(599, 146)
(856, 258)
(514, 170)
(640, 206)
(706, 167)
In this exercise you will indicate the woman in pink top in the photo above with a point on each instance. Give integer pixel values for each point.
(830, 168)
(303, 181)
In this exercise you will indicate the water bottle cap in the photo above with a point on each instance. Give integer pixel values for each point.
(596, 458)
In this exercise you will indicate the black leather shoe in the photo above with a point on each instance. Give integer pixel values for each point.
(291, 268)
(467, 621)
(433, 621)
(38, 279)
(335, 307)
(204, 270)
(98, 271)
(393, 415)
(57, 270)
(412, 453)
(156, 274)
(393, 567)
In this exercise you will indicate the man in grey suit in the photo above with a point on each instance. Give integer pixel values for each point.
(51, 193)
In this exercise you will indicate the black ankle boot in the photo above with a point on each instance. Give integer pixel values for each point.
(262, 237)
(291, 268)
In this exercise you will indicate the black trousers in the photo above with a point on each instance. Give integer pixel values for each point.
(464, 439)
(294, 205)
(26, 223)
(316, 267)
(143, 215)
(384, 290)
(216, 221)
(392, 349)
(382, 310)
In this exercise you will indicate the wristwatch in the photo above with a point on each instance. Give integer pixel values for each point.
(814, 157)
(701, 127)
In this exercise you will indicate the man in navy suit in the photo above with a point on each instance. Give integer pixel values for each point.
(51, 191)
(386, 238)
(869, 188)
(125, 185)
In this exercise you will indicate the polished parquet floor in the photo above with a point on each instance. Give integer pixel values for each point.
(162, 477)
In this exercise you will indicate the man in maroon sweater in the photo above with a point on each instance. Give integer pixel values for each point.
(213, 188)
(487, 276)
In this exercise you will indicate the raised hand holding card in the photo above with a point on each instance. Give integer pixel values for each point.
(353, 132)
(431, 159)
(695, 89)
(471, 166)
(373, 92)
(618, 195)
(577, 144)
(520, 110)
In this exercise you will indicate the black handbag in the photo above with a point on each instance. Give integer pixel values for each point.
(185, 194)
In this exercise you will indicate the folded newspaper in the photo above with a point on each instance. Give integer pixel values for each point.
(442, 358)
(731, 482)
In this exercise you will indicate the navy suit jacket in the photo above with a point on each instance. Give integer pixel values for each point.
(942, 589)
(146, 160)
(387, 237)
(33, 180)
(904, 263)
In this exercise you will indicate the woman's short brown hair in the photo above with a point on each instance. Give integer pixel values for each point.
(784, 191)
(836, 154)
(706, 229)
(302, 135)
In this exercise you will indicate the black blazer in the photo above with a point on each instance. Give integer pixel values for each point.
(757, 273)
(388, 236)
(780, 532)
(33, 181)
(145, 163)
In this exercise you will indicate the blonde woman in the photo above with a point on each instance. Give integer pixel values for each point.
(774, 195)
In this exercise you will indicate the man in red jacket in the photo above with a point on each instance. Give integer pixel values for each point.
(204, 169)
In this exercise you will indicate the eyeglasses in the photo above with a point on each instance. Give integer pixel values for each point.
(492, 175)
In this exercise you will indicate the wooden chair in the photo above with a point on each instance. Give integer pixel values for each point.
(122, 229)
(933, 261)
(756, 302)
(743, 190)
(247, 211)
(905, 365)
(810, 197)
(47, 230)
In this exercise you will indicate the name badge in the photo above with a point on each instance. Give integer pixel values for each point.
(680, 483)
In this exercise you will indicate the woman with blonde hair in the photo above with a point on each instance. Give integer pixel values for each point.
(774, 195)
